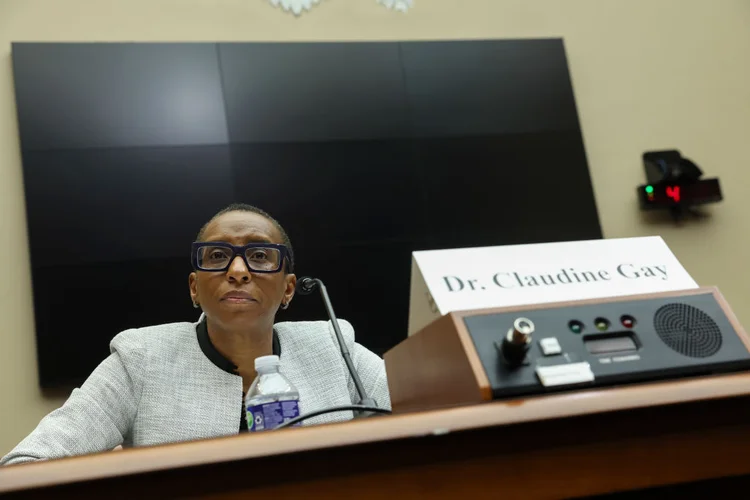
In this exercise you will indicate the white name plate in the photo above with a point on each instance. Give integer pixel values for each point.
(476, 278)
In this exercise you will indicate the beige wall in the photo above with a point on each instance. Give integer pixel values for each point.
(647, 74)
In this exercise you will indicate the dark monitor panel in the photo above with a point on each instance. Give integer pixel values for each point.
(364, 152)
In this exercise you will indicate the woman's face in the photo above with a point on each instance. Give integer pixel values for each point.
(265, 291)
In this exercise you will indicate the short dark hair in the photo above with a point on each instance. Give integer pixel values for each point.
(244, 207)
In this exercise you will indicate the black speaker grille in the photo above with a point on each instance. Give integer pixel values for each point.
(687, 330)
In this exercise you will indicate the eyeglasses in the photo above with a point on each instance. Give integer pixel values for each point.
(217, 256)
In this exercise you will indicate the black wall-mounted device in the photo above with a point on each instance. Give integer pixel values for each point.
(675, 184)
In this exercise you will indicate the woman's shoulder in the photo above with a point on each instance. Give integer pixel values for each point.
(153, 337)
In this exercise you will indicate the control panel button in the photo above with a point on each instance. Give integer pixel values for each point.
(571, 373)
(550, 346)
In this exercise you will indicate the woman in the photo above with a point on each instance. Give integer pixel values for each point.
(185, 381)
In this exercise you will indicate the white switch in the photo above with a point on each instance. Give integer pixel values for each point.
(550, 346)
(571, 373)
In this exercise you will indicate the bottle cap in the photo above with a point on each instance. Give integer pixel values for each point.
(264, 362)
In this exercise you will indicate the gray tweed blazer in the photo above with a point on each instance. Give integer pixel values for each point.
(157, 386)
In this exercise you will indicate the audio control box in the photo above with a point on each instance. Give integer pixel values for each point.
(472, 356)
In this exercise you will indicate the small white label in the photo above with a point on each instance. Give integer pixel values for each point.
(550, 346)
(605, 361)
(572, 373)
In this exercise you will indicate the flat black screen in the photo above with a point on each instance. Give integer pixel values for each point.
(363, 151)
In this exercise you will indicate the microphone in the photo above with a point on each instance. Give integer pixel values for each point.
(306, 286)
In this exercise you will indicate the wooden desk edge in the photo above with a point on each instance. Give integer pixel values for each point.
(232, 448)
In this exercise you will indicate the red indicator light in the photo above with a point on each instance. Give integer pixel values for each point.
(674, 193)
(627, 321)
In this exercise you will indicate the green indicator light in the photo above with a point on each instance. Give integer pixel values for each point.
(649, 189)
(575, 326)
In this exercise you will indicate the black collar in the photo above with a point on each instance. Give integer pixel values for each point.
(216, 357)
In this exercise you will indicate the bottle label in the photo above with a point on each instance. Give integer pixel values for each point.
(268, 416)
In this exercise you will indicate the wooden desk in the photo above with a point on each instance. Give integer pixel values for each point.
(583, 443)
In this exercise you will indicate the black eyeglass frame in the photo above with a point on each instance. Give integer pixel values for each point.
(240, 250)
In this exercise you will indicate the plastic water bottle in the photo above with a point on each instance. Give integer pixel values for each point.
(271, 399)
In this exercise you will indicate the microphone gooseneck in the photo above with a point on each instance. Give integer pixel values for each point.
(306, 286)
